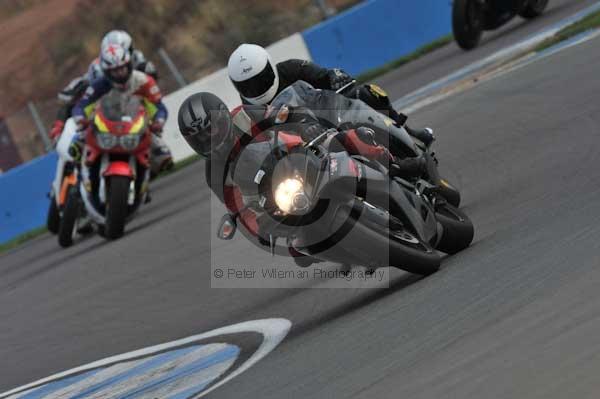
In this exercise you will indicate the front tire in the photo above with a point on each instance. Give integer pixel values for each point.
(71, 212)
(534, 9)
(467, 23)
(401, 248)
(458, 230)
(53, 218)
(117, 207)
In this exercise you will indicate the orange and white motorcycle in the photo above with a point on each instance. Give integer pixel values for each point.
(115, 168)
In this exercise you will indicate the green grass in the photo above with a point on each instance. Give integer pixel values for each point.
(390, 66)
(592, 21)
(15, 242)
(185, 162)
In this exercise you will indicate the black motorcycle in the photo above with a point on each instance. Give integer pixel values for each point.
(471, 17)
(333, 206)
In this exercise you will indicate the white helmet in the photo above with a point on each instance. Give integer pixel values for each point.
(119, 37)
(253, 74)
(115, 62)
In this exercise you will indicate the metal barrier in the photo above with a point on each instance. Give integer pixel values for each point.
(377, 32)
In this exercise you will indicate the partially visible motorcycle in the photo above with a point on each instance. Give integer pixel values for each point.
(64, 178)
(330, 205)
(115, 168)
(471, 17)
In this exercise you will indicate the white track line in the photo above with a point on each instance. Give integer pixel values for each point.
(272, 330)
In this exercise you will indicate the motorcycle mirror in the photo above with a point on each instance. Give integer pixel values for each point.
(227, 228)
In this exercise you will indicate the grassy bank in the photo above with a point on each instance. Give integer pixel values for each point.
(390, 66)
(592, 21)
(15, 242)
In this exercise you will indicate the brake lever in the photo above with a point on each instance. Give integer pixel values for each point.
(343, 88)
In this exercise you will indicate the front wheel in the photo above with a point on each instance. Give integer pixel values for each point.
(71, 212)
(533, 9)
(458, 230)
(467, 23)
(116, 206)
(53, 217)
(390, 243)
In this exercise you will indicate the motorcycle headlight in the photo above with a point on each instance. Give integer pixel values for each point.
(106, 141)
(130, 142)
(291, 198)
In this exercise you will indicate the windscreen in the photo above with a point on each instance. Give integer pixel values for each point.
(117, 106)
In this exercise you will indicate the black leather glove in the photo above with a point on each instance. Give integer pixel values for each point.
(338, 79)
(312, 132)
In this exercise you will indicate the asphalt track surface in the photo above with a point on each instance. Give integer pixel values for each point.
(516, 315)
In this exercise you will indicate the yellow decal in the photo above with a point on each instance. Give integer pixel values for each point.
(151, 108)
(89, 109)
(137, 126)
(100, 124)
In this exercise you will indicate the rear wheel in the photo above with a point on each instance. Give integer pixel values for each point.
(53, 217)
(458, 231)
(533, 9)
(467, 23)
(71, 212)
(116, 206)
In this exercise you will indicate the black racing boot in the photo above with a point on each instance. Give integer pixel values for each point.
(408, 168)
(423, 135)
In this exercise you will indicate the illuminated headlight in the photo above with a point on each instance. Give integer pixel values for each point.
(130, 141)
(291, 198)
(106, 141)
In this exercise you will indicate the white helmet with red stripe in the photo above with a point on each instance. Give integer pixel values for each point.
(119, 37)
(115, 62)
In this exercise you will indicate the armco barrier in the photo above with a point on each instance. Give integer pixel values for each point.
(376, 32)
(23, 196)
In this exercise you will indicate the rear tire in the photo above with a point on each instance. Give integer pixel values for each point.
(117, 207)
(458, 231)
(71, 211)
(53, 218)
(467, 23)
(534, 9)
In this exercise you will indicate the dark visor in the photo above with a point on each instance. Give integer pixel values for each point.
(257, 85)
